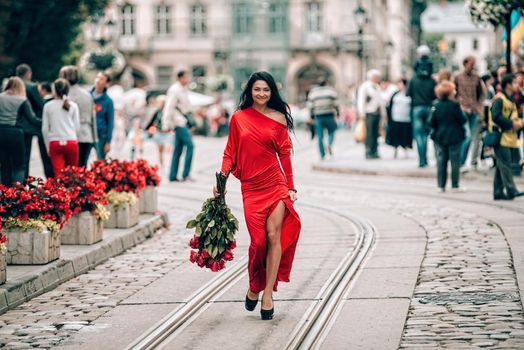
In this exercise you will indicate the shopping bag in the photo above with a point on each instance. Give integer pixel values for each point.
(360, 131)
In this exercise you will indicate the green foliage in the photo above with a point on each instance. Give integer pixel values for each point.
(493, 11)
(42, 33)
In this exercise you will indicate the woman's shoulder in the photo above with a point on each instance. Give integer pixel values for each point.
(277, 116)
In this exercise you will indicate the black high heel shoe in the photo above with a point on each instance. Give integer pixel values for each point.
(250, 304)
(267, 314)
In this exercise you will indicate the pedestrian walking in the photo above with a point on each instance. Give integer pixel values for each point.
(259, 132)
(105, 114)
(505, 117)
(371, 108)
(448, 133)
(421, 89)
(154, 128)
(87, 135)
(470, 94)
(60, 126)
(400, 130)
(177, 114)
(16, 119)
(24, 72)
(324, 109)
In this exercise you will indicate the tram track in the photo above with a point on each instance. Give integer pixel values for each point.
(314, 323)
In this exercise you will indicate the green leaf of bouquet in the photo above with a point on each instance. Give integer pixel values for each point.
(198, 231)
(191, 224)
(211, 223)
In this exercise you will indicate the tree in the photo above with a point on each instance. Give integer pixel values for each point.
(41, 33)
(496, 13)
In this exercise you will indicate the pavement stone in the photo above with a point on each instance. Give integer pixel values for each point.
(51, 318)
(467, 292)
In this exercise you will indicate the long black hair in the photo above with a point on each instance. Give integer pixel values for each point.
(275, 101)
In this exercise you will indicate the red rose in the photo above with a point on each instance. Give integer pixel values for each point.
(193, 256)
(228, 255)
(205, 254)
(201, 262)
(233, 245)
(216, 266)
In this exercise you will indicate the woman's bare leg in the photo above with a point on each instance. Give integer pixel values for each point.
(274, 253)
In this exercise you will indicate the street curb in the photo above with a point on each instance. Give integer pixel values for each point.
(74, 261)
(417, 173)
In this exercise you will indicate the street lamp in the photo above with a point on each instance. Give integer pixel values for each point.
(360, 18)
(388, 49)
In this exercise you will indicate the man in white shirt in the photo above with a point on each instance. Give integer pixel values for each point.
(176, 114)
(371, 107)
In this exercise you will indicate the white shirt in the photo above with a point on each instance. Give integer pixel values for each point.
(401, 108)
(59, 124)
(370, 99)
(177, 101)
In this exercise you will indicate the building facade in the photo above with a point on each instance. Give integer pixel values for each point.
(297, 41)
(460, 37)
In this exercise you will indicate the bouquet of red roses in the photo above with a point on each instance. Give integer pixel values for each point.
(215, 227)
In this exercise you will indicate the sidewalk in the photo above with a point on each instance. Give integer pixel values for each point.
(25, 282)
(349, 158)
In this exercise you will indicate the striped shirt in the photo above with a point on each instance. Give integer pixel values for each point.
(323, 100)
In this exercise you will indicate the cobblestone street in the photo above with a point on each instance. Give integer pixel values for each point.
(445, 272)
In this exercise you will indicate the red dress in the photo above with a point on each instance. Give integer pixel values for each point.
(251, 152)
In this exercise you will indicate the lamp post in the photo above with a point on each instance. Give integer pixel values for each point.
(388, 49)
(360, 18)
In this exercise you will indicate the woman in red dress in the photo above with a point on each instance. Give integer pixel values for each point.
(258, 153)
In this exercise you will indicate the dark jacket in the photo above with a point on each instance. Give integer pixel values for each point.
(105, 115)
(422, 91)
(34, 97)
(15, 111)
(447, 122)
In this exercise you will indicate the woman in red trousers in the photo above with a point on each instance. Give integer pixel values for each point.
(258, 153)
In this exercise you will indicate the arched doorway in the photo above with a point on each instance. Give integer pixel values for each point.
(308, 76)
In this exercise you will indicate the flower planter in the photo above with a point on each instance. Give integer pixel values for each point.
(83, 228)
(32, 247)
(148, 200)
(3, 263)
(125, 215)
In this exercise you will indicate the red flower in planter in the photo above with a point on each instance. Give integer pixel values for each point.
(85, 192)
(35, 199)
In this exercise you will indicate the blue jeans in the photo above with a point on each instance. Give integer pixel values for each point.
(420, 132)
(99, 147)
(182, 139)
(469, 133)
(325, 121)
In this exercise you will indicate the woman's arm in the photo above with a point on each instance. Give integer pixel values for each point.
(230, 152)
(28, 113)
(284, 154)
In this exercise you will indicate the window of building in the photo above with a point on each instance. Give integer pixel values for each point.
(313, 17)
(475, 44)
(164, 75)
(198, 20)
(163, 20)
(242, 18)
(241, 75)
(128, 21)
(453, 45)
(277, 17)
